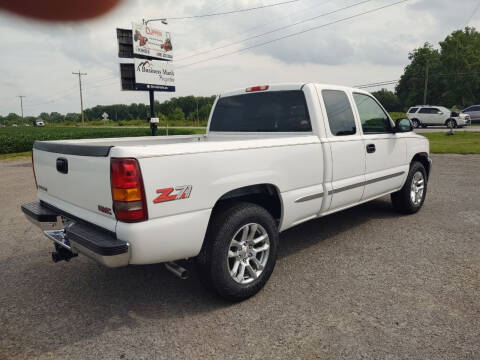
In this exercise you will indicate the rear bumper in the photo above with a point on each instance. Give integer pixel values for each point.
(77, 236)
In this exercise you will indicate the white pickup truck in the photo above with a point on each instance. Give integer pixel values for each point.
(273, 157)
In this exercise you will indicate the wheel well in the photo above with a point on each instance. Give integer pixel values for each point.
(446, 121)
(265, 195)
(422, 158)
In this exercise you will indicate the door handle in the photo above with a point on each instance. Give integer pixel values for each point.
(370, 148)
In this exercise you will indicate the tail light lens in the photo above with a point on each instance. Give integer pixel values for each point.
(128, 193)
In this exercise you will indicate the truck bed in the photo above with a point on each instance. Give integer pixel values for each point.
(149, 146)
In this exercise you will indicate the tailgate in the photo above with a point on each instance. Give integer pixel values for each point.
(76, 179)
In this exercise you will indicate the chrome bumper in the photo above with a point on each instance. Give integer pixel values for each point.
(78, 237)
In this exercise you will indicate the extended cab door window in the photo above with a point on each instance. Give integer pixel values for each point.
(373, 118)
(339, 113)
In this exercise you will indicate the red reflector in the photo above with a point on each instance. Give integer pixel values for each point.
(257, 88)
(125, 174)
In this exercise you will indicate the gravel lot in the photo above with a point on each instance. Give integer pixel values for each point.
(361, 284)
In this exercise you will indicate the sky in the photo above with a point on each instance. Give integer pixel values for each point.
(37, 59)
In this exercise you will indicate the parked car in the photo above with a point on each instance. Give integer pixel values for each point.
(273, 157)
(39, 123)
(428, 115)
(474, 113)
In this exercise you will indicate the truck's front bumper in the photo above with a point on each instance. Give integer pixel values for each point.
(77, 236)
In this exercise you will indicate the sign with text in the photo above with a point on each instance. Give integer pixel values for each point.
(153, 42)
(154, 75)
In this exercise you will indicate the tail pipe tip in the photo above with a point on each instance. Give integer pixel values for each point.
(177, 270)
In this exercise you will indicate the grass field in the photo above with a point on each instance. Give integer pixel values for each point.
(17, 140)
(462, 142)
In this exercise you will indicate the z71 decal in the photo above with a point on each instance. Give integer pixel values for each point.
(173, 193)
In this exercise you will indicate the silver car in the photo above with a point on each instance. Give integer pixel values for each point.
(474, 112)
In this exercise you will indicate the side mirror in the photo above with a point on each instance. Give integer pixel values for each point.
(403, 125)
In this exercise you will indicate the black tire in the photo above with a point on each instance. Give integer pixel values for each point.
(415, 123)
(453, 122)
(401, 200)
(213, 263)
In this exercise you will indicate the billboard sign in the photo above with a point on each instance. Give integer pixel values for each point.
(152, 42)
(154, 75)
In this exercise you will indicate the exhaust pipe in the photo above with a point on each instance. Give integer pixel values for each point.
(177, 270)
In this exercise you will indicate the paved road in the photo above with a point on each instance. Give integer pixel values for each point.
(444, 129)
(362, 284)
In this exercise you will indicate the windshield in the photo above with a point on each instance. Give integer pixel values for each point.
(274, 111)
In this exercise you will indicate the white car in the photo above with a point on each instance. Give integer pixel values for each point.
(273, 157)
(39, 123)
(426, 115)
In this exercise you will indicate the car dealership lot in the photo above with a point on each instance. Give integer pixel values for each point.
(360, 283)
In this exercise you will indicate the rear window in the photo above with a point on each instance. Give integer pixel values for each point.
(412, 110)
(274, 111)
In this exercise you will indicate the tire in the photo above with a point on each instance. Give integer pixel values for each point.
(453, 122)
(224, 247)
(415, 123)
(404, 200)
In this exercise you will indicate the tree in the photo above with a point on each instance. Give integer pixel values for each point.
(177, 114)
(388, 99)
(410, 89)
(454, 72)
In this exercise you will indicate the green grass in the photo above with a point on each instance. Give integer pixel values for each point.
(463, 142)
(397, 115)
(18, 140)
(16, 156)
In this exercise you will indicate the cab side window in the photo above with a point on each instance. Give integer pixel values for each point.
(339, 113)
(374, 119)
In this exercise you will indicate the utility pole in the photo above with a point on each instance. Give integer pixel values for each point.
(21, 105)
(426, 85)
(81, 99)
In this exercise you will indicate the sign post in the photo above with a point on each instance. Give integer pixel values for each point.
(152, 69)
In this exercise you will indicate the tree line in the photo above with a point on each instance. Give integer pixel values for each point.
(451, 73)
(188, 108)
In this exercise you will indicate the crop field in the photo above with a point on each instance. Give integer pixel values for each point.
(16, 140)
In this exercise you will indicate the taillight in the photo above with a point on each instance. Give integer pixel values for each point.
(33, 168)
(128, 194)
(257, 88)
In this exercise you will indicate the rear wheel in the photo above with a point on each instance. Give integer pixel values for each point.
(240, 251)
(415, 123)
(409, 199)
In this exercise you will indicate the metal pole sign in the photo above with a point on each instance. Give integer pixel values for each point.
(152, 69)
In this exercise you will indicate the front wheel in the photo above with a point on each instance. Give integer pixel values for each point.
(451, 124)
(410, 198)
(240, 251)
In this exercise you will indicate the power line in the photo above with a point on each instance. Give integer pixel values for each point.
(295, 34)
(277, 29)
(473, 14)
(222, 13)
